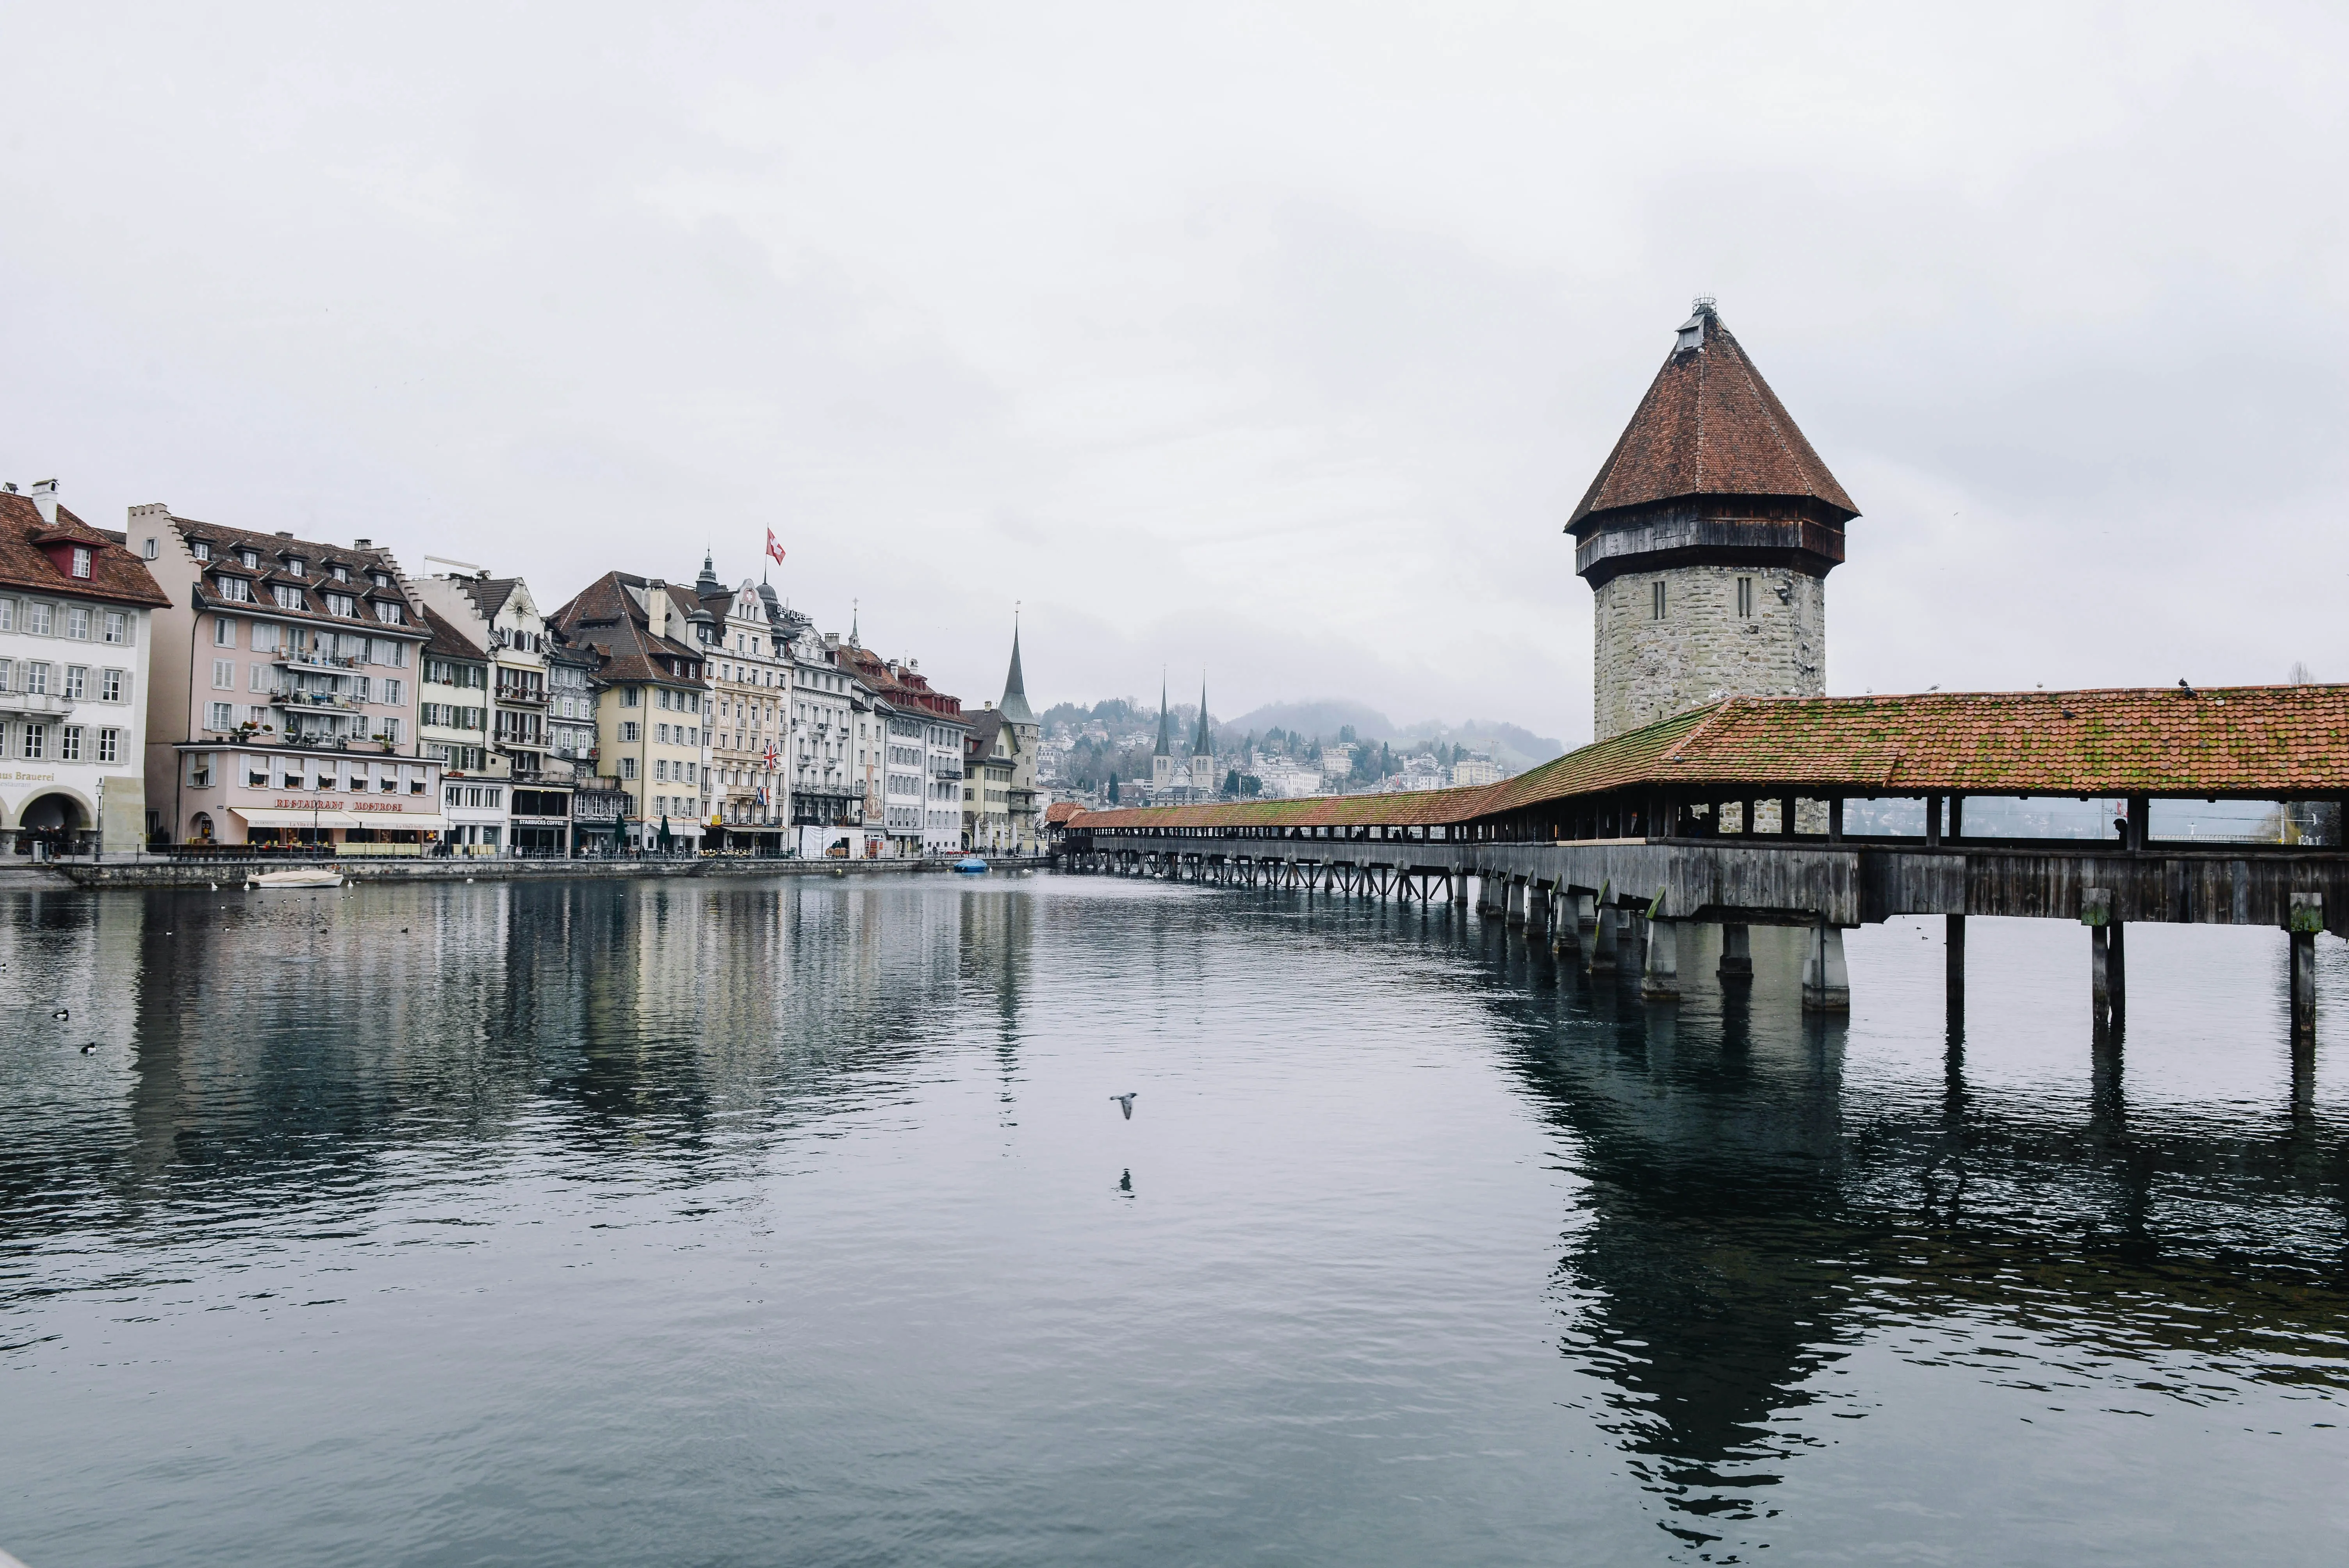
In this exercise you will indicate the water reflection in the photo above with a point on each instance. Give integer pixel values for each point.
(1747, 1220)
(1744, 1216)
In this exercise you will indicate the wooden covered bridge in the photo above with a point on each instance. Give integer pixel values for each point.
(1734, 814)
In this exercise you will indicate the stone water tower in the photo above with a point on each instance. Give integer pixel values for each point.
(1707, 539)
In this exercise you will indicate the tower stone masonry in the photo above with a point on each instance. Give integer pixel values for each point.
(1706, 539)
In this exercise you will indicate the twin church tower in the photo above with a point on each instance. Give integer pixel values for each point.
(1707, 539)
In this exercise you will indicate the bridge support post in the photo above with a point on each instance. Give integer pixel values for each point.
(1537, 910)
(2117, 974)
(1953, 954)
(2307, 920)
(1566, 932)
(2096, 915)
(1518, 890)
(1736, 954)
(1603, 954)
(1455, 887)
(1826, 984)
(1661, 980)
(2100, 978)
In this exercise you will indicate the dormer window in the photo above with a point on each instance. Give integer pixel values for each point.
(293, 564)
(289, 596)
(235, 588)
(389, 614)
(342, 573)
(81, 560)
(341, 605)
(252, 559)
(380, 580)
(203, 549)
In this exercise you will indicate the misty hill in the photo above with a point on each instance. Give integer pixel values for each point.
(1324, 717)
(1510, 745)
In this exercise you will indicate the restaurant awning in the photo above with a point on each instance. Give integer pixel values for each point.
(268, 816)
(387, 821)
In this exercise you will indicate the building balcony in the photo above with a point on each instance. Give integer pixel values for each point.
(313, 660)
(321, 700)
(35, 704)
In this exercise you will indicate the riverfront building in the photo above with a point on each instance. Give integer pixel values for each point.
(827, 800)
(653, 701)
(75, 609)
(524, 770)
(914, 756)
(284, 701)
(751, 681)
(453, 726)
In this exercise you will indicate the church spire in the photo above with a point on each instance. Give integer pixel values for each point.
(1015, 689)
(1204, 743)
(1165, 736)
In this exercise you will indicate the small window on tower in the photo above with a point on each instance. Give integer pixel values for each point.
(1745, 596)
(1657, 611)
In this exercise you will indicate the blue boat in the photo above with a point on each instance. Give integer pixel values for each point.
(971, 865)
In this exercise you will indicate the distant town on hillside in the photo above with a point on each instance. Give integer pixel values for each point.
(1104, 753)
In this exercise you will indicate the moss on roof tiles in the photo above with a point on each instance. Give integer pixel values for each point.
(2277, 741)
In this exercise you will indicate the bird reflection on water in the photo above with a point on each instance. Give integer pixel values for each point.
(820, 1166)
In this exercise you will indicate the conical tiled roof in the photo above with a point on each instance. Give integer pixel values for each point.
(1710, 426)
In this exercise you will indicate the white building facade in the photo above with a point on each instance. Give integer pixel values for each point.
(75, 615)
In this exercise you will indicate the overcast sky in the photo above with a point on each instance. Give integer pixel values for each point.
(1274, 341)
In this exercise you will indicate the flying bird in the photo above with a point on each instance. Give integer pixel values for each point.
(89, 1048)
(60, 1014)
(1125, 1104)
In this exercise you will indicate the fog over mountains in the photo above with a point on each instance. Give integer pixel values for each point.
(1511, 745)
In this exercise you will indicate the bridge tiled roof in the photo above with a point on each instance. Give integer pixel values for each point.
(2278, 742)
(2284, 742)
(1710, 426)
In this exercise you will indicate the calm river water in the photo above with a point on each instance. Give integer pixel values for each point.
(791, 1221)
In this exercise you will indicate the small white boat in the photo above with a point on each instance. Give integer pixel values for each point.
(306, 876)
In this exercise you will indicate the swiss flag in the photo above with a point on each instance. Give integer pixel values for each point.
(773, 548)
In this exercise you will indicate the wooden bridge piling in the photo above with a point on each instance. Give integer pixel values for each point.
(1660, 978)
(1827, 982)
(1736, 954)
(1953, 962)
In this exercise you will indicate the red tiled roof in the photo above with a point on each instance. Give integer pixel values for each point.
(311, 586)
(2289, 742)
(448, 642)
(609, 617)
(1061, 810)
(116, 574)
(1710, 426)
(2277, 742)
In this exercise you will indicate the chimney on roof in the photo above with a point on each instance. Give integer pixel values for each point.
(44, 496)
(355, 543)
(656, 608)
(284, 533)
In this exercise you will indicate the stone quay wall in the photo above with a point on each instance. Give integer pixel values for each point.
(200, 873)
